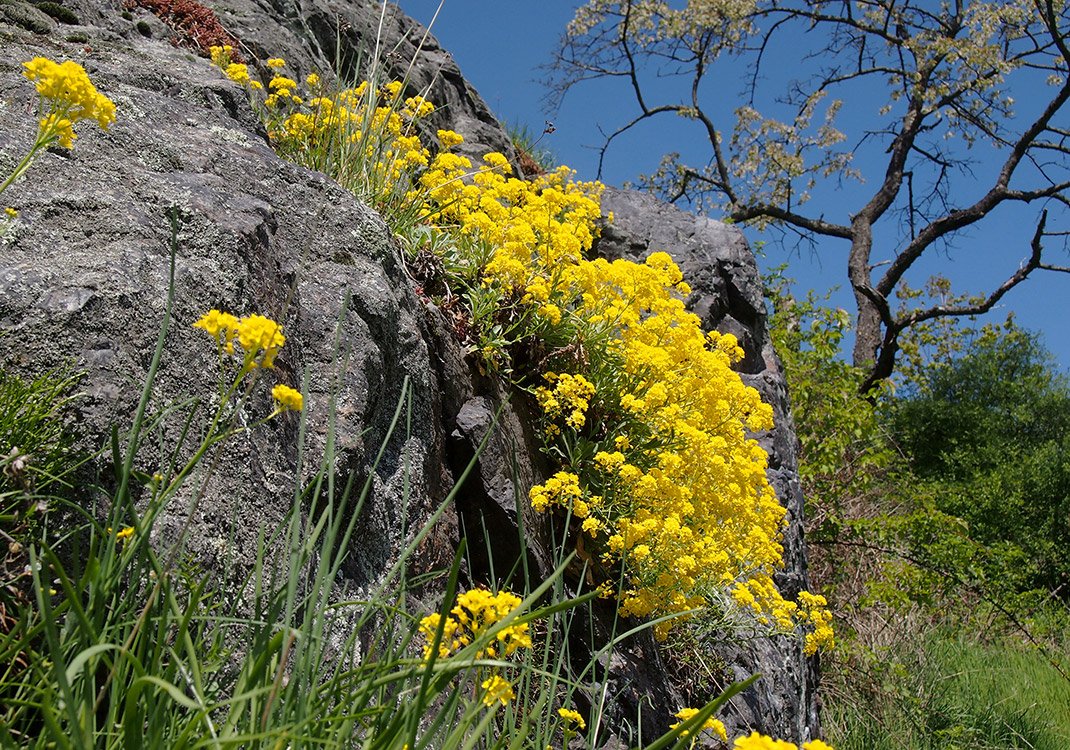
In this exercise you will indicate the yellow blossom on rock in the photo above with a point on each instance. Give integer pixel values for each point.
(475, 613)
(282, 83)
(220, 326)
(257, 333)
(288, 398)
(275, 63)
(220, 55)
(238, 72)
(59, 129)
(67, 96)
(448, 139)
(561, 489)
(713, 725)
(756, 741)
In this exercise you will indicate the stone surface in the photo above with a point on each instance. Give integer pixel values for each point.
(84, 278)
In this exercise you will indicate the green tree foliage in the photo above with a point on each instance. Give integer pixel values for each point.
(934, 91)
(988, 434)
(937, 515)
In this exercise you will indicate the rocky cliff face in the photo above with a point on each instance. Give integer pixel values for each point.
(84, 277)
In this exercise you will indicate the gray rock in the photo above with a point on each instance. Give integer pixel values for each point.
(84, 276)
(26, 15)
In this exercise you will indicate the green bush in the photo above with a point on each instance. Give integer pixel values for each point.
(988, 434)
(36, 463)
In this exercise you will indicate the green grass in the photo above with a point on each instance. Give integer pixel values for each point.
(956, 692)
(533, 145)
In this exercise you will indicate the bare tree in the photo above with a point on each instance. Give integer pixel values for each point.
(945, 72)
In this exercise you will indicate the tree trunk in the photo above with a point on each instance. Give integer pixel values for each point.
(868, 334)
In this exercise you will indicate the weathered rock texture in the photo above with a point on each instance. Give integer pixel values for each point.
(84, 278)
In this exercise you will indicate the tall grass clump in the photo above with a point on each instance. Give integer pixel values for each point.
(955, 691)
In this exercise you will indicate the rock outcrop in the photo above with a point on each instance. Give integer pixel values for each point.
(84, 275)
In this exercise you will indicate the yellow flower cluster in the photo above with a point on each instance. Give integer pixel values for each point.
(67, 97)
(570, 397)
(531, 226)
(562, 489)
(235, 71)
(813, 610)
(288, 398)
(668, 483)
(475, 613)
(497, 689)
(359, 125)
(282, 92)
(711, 725)
(757, 741)
(572, 717)
(682, 500)
(260, 337)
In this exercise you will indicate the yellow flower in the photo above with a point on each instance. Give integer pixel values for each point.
(448, 139)
(220, 55)
(551, 312)
(288, 398)
(282, 83)
(497, 689)
(711, 724)
(275, 63)
(313, 80)
(123, 535)
(238, 72)
(11, 213)
(69, 91)
(592, 526)
(476, 612)
(257, 333)
(572, 717)
(59, 129)
(220, 326)
(757, 741)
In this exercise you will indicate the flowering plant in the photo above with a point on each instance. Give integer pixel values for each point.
(661, 484)
(65, 96)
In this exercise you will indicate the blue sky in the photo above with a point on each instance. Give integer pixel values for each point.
(500, 47)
